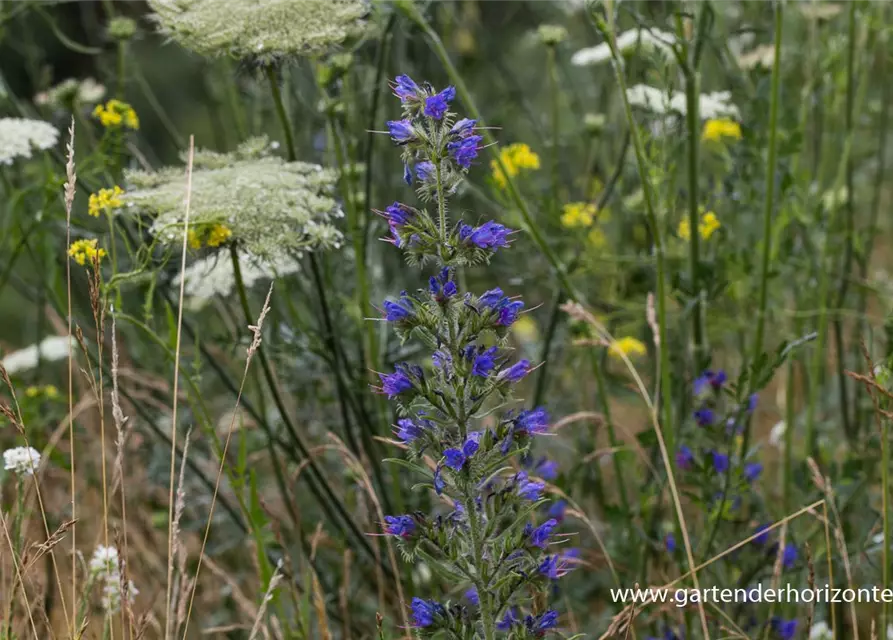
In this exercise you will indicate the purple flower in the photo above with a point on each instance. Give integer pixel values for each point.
(439, 482)
(786, 629)
(510, 619)
(491, 298)
(715, 380)
(762, 532)
(405, 88)
(789, 555)
(684, 458)
(515, 372)
(472, 596)
(395, 383)
(464, 151)
(463, 128)
(752, 471)
(752, 402)
(441, 286)
(484, 363)
(407, 430)
(397, 311)
(489, 235)
(509, 312)
(540, 624)
(401, 131)
(720, 462)
(407, 174)
(532, 422)
(454, 458)
(719, 379)
(545, 468)
(442, 360)
(436, 106)
(472, 444)
(549, 567)
(557, 509)
(539, 537)
(528, 489)
(424, 611)
(670, 543)
(399, 214)
(558, 565)
(704, 416)
(401, 526)
(425, 171)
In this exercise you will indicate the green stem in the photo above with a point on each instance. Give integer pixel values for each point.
(612, 435)
(483, 590)
(280, 112)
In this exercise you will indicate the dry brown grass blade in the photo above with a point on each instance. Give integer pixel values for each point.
(319, 600)
(173, 461)
(70, 185)
(268, 595)
(18, 578)
(38, 549)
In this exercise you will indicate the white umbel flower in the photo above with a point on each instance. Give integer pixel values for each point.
(710, 105)
(111, 593)
(105, 562)
(776, 436)
(645, 40)
(820, 631)
(21, 460)
(19, 137)
(50, 349)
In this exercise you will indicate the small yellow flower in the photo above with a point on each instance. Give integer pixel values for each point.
(32, 392)
(51, 392)
(627, 346)
(597, 239)
(525, 328)
(514, 157)
(114, 113)
(105, 200)
(716, 130)
(218, 235)
(708, 225)
(194, 240)
(84, 251)
(578, 214)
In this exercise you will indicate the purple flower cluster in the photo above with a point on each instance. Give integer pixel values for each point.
(440, 408)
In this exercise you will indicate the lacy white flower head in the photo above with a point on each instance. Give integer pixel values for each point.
(268, 207)
(20, 137)
(645, 41)
(50, 349)
(21, 460)
(261, 29)
(214, 275)
(111, 593)
(711, 106)
(71, 92)
(820, 631)
(762, 56)
(105, 562)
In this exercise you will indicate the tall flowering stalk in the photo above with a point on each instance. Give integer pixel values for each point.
(456, 414)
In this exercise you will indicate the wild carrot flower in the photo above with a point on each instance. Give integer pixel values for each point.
(105, 200)
(720, 129)
(21, 460)
(48, 350)
(85, 252)
(19, 137)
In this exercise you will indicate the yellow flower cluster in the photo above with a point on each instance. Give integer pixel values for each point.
(578, 214)
(627, 346)
(85, 251)
(514, 157)
(708, 225)
(50, 391)
(116, 113)
(717, 130)
(105, 200)
(212, 236)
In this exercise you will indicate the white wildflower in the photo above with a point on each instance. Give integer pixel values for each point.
(644, 40)
(19, 137)
(776, 436)
(818, 10)
(762, 56)
(105, 562)
(270, 207)
(50, 349)
(214, 275)
(111, 593)
(710, 106)
(261, 29)
(72, 92)
(820, 631)
(21, 460)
